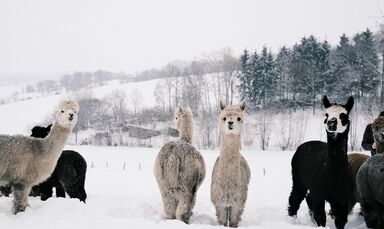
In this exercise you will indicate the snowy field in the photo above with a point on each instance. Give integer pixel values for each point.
(122, 193)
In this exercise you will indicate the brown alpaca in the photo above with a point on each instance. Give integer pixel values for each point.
(180, 170)
(231, 174)
(378, 129)
(355, 160)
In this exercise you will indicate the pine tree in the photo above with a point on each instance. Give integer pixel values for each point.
(310, 70)
(366, 63)
(245, 76)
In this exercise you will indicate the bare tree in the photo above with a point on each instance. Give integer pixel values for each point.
(264, 129)
(136, 99)
(117, 102)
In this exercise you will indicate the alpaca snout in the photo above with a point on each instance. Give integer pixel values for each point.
(70, 117)
(230, 125)
(332, 124)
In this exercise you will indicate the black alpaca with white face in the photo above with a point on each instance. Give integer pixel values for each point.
(320, 170)
(337, 116)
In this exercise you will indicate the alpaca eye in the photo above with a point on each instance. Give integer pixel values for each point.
(239, 119)
(62, 111)
(176, 117)
(224, 119)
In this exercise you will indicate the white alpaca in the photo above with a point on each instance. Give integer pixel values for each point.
(231, 174)
(27, 161)
(180, 170)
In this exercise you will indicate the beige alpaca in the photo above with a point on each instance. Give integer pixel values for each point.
(231, 174)
(180, 170)
(27, 161)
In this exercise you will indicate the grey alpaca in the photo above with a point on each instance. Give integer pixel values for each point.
(26, 161)
(231, 174)
(370, 180)
(180, 170)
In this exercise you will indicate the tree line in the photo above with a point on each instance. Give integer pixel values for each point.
(298, 76)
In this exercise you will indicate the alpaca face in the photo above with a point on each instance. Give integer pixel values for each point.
(232, 119)
(181, 116)
(337, 116)
(336, 119)
(378, 129)
(66, 114)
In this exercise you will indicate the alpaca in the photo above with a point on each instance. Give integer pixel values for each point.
(323, 169)
(370, 181)
(231, 174)
(27, 161)
(180, 170)
(355, 160)
(68, 176)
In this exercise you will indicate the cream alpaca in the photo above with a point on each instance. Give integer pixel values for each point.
(180, 170)
(231, 174)
(27, 161)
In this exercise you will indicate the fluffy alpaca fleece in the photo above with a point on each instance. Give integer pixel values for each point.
(370, 181)
(27, 161)
(231, 174)
(378, 133)
(323, 170)
(180, 170)
(68, 176)
(355, 160)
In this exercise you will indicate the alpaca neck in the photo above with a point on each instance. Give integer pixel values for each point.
(337, 148)
(56, 139)
(186, 131)
(229, 146)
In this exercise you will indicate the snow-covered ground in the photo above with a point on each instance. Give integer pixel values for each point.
(122, 193)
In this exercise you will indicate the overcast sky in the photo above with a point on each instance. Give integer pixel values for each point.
(54, 37)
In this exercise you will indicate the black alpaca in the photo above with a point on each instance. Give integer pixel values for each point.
(323, 169)
(68, 176)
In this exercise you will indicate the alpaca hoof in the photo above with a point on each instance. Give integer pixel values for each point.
(18, 209)
(185, 217)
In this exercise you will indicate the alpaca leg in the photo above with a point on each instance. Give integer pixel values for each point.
(309, 201)
(319, 212)
(235, 216)
(80, 188)
(170, 205)
(340, 212)
(370, 213)
(296, 197)
(184, 207)
(46, 190)
(20, 201)
(60, 192)
(75, 189)
(222, 215)
(82, 194)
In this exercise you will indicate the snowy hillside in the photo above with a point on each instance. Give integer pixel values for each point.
(19, 117)
(129, 198)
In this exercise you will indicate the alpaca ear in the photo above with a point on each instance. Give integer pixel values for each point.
(242, 105)
(188, 109)
(179, 109)
(349, 104)
(222, 105)
(326, 102)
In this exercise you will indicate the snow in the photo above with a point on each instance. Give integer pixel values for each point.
(19, 117)
(129, 198)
